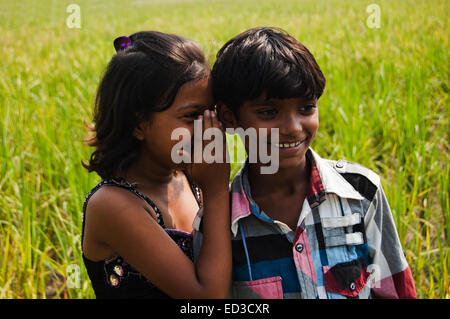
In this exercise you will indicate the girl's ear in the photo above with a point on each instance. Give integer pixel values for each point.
(138, 131)
(226, 116)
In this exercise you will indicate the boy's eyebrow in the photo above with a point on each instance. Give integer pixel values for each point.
(263, 101)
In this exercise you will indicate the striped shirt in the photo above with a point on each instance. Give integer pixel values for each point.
(345, 244)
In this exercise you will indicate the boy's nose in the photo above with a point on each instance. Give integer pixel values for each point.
(290, 125)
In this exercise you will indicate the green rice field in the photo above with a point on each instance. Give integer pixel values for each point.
(385, 106)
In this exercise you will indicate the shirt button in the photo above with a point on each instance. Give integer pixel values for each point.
(340, 164)
(352, 286)
(299, 248)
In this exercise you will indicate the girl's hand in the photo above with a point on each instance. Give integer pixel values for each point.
(213, 171)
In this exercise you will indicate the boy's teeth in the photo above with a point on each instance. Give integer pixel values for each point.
(287, 145)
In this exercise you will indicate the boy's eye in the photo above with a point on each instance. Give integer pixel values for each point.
(307, 108)
(270, 112)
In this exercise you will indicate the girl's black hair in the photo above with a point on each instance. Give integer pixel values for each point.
(142, 79)
(265, 60)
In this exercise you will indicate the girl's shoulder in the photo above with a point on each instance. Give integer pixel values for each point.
(117, 194)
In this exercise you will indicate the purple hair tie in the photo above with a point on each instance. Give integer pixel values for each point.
(121, 43)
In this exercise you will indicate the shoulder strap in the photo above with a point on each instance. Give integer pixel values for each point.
(123, 184)
(195, 189)
(197, 193)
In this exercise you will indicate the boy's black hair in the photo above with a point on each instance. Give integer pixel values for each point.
(265, 60)
(138, 81)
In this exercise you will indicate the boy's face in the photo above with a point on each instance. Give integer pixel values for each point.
(296, 118)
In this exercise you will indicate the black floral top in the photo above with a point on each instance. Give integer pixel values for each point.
(114, 277)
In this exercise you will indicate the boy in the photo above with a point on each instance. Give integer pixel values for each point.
(316, 228)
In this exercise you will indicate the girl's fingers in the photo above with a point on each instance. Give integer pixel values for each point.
(197, 139)
(207, 123)
(215, 120)
(217, 124)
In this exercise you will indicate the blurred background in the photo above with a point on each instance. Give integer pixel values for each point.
(385, 106)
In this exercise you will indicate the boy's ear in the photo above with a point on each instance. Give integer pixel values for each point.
(226, 116)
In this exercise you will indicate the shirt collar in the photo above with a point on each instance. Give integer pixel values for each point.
(332, 181)
(324, 179)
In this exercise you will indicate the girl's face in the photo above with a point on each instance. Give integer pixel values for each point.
(192, 99)
(296, 118)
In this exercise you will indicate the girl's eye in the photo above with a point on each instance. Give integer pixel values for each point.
(191, 115)
(196, 114)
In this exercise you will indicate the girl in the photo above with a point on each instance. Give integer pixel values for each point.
(137, 226)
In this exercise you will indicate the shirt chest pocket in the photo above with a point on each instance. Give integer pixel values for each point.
(266, 288)
(347, 279)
